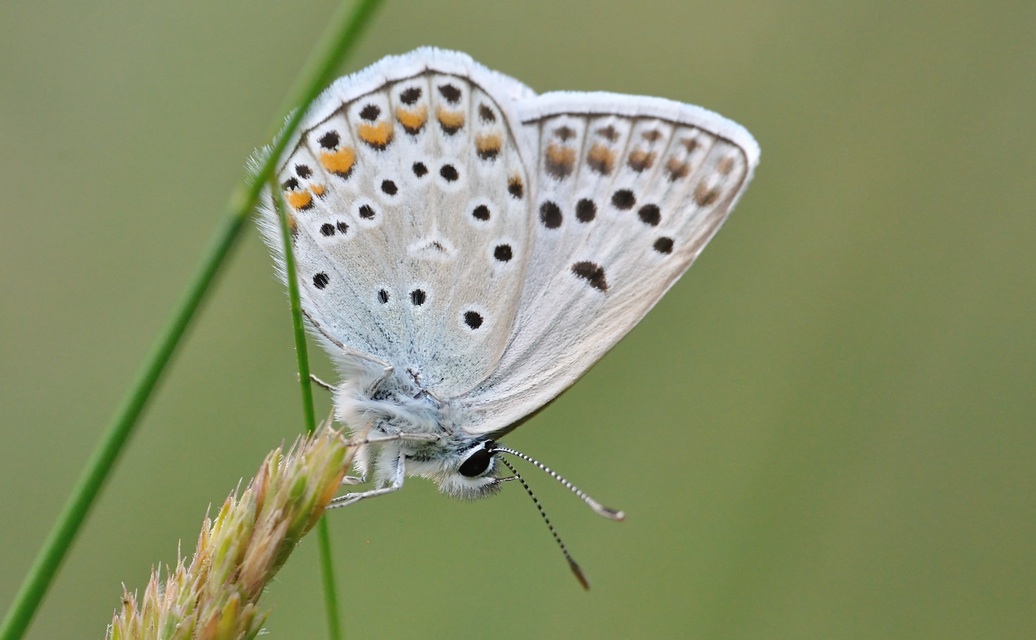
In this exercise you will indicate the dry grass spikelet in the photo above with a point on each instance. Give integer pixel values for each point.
(240, 550)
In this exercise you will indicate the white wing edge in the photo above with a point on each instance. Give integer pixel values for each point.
(605, 103)
(398, 67)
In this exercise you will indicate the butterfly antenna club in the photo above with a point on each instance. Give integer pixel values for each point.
(599, 509)
(572, 564)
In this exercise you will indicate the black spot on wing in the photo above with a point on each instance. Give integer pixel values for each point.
(593, 273)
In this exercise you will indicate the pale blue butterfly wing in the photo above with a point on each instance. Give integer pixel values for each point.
(408, 198)
(627, 191)
(466, 249)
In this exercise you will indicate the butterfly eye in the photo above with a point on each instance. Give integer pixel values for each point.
(478, 462)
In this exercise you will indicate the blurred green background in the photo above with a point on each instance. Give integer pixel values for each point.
(826, 430)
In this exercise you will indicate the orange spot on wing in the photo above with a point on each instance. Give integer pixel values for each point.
(376, 135)
(677, 168)
(412, 120)
(515, 186)
(560, 160)
(641, 160)
(338, 162)
(488, 145)
(317, 189)
(450, 120)
(705, 195)
(299, 200)
(601, 159)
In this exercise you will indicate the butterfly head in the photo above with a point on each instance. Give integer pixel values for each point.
(468, 473)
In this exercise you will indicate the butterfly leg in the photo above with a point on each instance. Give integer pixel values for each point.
(326, 386)
(353, 498)
(354, 479)
(408, 437)
(356, 442)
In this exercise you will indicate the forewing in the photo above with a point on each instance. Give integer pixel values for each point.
(408, 202)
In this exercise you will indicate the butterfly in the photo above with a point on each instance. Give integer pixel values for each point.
(466, 249)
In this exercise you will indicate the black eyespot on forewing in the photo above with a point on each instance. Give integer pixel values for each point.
(473, 319)
(370, 112)
(329, 140)
(503, 252)
(449, 173)
(450, 93)
(410, 95)
(550, 215)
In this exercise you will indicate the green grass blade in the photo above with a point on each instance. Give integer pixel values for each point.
(341, 35)
(301, 353)
(334, 624)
